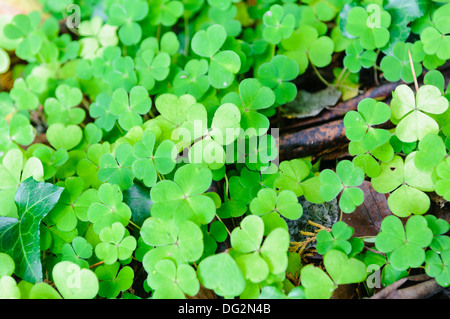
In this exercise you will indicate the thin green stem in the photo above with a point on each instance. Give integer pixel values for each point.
(186, 33)
(226, 186)
(321, 78)
(135, 225)
(158, 32)
(338, 81)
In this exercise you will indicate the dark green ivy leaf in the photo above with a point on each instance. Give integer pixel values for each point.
(20, 238)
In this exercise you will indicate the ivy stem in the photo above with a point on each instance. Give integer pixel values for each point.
(321, 78)
(416, 85)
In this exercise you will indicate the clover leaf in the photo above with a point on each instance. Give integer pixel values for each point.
(397, 66)
(172, 281)
(358, 124)
(77, 252)
(18, 131)
(443, 176)
(292, 173)
(316, 283)
(165, 12)
(151, 67)
(305, 45)
(344, 270)
(62, 136)
(405, 244)
(109, 209)
(114, 280)
(278, 25)
(431, 151)
(74, 282)
(437, 266)
(184, 241)
(182, 198)
(259, 258)
(277, 75)
(409, 198)
(285, 203)
(117, 168)
(221, 273)
(411, 111)
(20, 237)
(252, 97)
(193, 79)
(332, 183)
(151, 160)
(100, 111)
(129, 107)
(337, 239)
(116, 244)
(95, 36)
(436, 38)
(356, 57)
(126, 15)
(371, 36)
(24, 94)
(223, 64)
(61, 109)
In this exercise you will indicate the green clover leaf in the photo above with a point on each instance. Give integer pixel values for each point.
(292, 174)
(193, 79)
(411, 111)
(305, 46)
(165, 12)
(24, 94)
(356, 57)
(95, 36)
(151, 67)
(346, 179)
(151, 160)
(125, 15)
(99, 110)
(259, 259)
(317, 284)
(431, 151)
(285, 203)
(437, 266)
(114, 280)
(405, 245)
(61, 108)
(182, 198)
(277, 75)
(77, 252)
(252, 97)
(337, 239)
(443, 178)
(129, 108)
(64, 136)
(109, 209)
(278, 25)
(370, 35)
(185, 242)
(117, 168)
(344, 270)
(172, 281)
(115, 245)
(18, 131)
(221, 273)
(436, 38)
(397, 66)
(224, 64)
(358, 125)
(74, 282)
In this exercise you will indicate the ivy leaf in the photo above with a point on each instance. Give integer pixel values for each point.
(20, 237)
